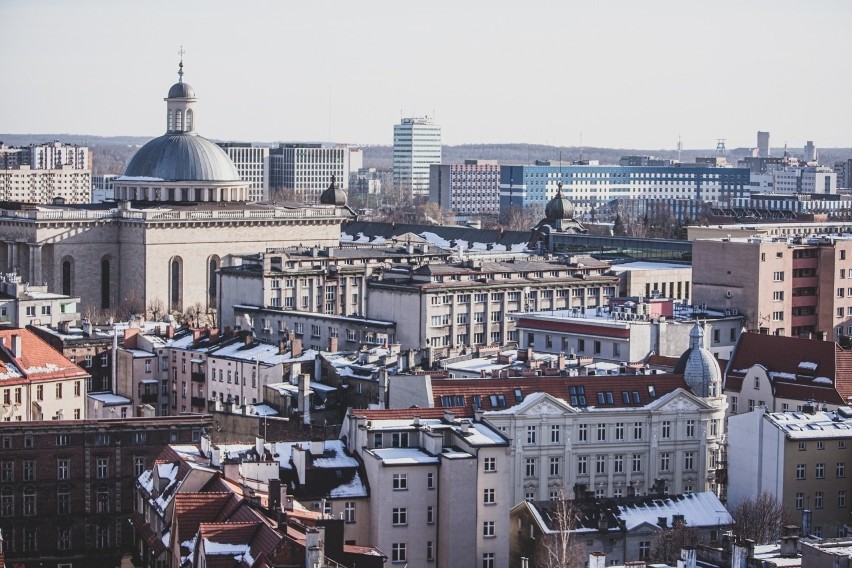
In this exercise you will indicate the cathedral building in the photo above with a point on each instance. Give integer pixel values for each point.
(181, 212)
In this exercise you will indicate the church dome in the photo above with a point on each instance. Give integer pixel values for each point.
(560, 207)
(333, 195)
(181, 90)
(698, 366)
(182, 157)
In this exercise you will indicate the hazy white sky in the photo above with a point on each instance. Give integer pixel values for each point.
(621, 73)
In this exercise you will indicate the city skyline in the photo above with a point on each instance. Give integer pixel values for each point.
(630, 75)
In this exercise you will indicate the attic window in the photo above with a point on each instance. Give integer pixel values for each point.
(498, 401)
(477, 401)
(636, 397)
(652, 392)
(518, 396)
(452, 400)
(625, 397)
(577, 395)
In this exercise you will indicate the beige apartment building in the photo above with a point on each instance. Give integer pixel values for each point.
(798, 457)
(782, 286)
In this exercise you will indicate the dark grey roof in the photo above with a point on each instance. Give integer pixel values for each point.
(333, 195)
(181, 91)
(560, 207)
(182, 157)
(449, 233)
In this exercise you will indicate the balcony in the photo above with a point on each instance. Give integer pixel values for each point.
(198, 377)
(149, 398)
(198, 401)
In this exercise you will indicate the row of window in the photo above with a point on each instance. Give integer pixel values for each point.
(59, 389)
(29, 538)
(819, 470)
(819, 498)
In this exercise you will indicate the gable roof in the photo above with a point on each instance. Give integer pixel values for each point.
(39, 361)
(799, 369)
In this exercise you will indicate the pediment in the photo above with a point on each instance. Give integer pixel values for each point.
(679, 401)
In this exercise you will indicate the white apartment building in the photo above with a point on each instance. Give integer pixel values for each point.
(416, 146)
(252, 164)
(71, 185)
(308, 168)
(439, 486)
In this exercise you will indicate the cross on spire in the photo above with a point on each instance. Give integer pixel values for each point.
(180, 67)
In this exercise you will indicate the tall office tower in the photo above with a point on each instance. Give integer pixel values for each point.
(416, 146)
(253, 166)
(306, 169)
(762, 144)
(811, 154)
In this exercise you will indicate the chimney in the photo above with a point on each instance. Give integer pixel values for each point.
(317, 448)
(170, 331)
(16, 345)
(597, 560)
(465, 427)
(296, 348)
(332, 344)
(740, 556)
(196, 337)
(315, 546)
(383, 387)
(274, 501)
(687, 558)
(662, 522)
(258, 445)
(449, 417)
(305, 398)
(560, 362)
(87, 327)
(789, 546)
(287, 505)
(282, 346)
(248, 338)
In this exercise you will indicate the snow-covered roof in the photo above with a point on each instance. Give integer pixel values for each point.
(403, 456)
(805, 426)
(698, 509)
(109, 399)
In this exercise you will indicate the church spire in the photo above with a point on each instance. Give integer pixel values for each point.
(180, 65)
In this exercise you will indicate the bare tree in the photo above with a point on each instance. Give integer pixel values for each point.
(563, 548)
(282, 195)
(760, 518)
(131, 305)
(194, 314)
(517, 218)
(666, 544)
(156, 309)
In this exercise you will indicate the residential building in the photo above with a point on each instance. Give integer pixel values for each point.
(37, 382)
(439, 490)
(103, 187)
(622, 530)
(23, 304)
(469, 189)
(305, 168)
(365, 181)
(810, 152)
(45, 173)
(67, 488)
(252, 163)
(468, 304)
(843, 169)
(590, 187)
(799, 458)
(627, 330)
(794, 287)
(786, 374)
(416, 146)
(88, 346)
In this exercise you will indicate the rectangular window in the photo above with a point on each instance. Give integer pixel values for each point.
(529, 467)
(582, 465)
(820, 471)
(665, 461)
(800, 501)
(688, 461)
(488, 529)
(644, 549)
(841, 498)
(818, 500)
(531, 431)
(555, 433)
(600, 464)
(430, 551)
(619, 430)
(637, 430)
(488, 497)
(667, 429)
(400, 481)
(637, 463)
(690, 428)
(62, 468)
(102, 468)
(430, 481)
(430, 515)
(618, 463)
(488, 560)
(840, 470)
(398, 552)
(489, 465)
(554, 465)
(601, 432)
(399, 516)
(583, 433)
(800, 471)
(778, 276)
(399, 440)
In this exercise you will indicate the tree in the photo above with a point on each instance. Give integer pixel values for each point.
(156, 309)
(760, 518)
(132, 305)
(562, 548)
(666, 544)
(517, 218)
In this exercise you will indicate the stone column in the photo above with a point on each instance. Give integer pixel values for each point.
(35, 277)
(10, 256)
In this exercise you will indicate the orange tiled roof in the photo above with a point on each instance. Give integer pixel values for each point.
(38, 361)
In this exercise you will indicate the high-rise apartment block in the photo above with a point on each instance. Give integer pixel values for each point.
(252, 164)
(416, 146)
(762, 144)
(796, 286)
(811, 154)
(472, 188)
(307, 168)
(46, 172)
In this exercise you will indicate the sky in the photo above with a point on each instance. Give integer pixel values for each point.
(604, 73)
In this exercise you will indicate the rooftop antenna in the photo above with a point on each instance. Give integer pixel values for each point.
(581, 146)
(720, 147)
(679, 146)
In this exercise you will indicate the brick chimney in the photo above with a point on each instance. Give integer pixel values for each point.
(332, 344)
(296, 348)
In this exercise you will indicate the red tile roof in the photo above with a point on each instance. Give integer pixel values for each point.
(784, 355)
(559, 388)
(38, 361)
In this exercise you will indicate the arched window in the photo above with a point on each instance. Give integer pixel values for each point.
(170, 121)
(189, 120)
(106, 282)
(212, 281)
(179, 121)
(67, 275)
(176, 284)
